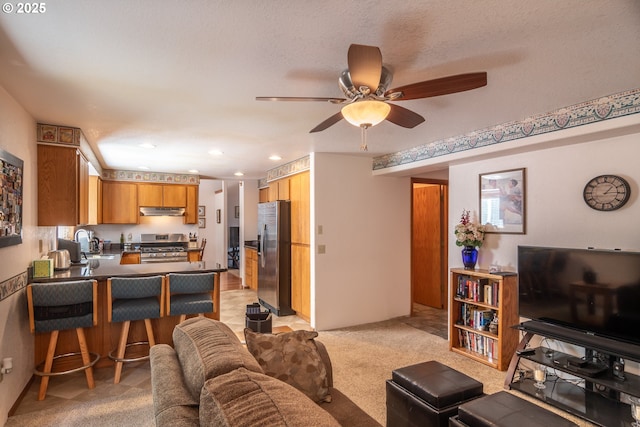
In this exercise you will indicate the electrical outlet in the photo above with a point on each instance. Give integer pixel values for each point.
(322, 249)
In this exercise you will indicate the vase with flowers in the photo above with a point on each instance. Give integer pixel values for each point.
(469, 235)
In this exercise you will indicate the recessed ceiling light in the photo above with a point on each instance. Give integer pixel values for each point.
(275, 157)
(193, 171)
(143, 168)
(147, 145)
(238, 174)
(215, 152)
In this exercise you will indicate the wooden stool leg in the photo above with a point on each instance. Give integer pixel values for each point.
(48, 363)
(86, 358)
(122, 346)
(150, 337)
(183, 317)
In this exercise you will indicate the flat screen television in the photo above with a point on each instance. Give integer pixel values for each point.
(591, 290)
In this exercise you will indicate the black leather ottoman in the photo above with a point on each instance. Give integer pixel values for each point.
(506, 410)
(427, 394)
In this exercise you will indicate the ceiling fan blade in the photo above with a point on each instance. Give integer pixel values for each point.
(298, 98)
(328, 123)
(403, 117)
(442, 86)
(365, 66)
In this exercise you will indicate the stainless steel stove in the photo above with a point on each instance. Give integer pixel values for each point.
(168, 247)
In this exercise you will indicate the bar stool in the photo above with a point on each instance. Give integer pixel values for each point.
(196, 293)
(55, 307)
(130, 299)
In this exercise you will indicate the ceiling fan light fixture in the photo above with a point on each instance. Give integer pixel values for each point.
(366, 113)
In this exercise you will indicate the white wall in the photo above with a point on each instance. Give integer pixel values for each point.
(556, 214)
(364, 276)
(207, 198)
(18, 136)
(249, 197)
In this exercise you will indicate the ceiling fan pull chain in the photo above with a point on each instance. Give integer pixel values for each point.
(363, 137)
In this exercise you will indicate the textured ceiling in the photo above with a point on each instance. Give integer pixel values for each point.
(183, 75)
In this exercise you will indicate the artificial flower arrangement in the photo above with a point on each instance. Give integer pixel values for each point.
(468, 233)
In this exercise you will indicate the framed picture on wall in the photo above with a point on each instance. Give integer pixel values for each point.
(11, 168)
(503, 201)
(218, 216)
(236, 212)
(202, 223)
(201, 210)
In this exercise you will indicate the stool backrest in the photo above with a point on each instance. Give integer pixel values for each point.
(62, 305)
(133, 288)
(190, 283)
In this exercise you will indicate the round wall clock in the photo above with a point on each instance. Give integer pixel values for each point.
(606, 192)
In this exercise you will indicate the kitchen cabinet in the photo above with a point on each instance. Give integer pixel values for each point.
(251, 268)
(300, 208)
(119, 203)
(301, 280)
(130, 258)
(159, 195)
(95, 200)
(263, 195)
(191, 213)
(277, 190)
(63, 186)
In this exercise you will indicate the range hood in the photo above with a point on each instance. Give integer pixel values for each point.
(160, 211)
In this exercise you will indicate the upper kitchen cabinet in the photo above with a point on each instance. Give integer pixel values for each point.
(95, 200)
(191, 213)
(63, 186)
(119, 203)
(159, 195)
(300, 208)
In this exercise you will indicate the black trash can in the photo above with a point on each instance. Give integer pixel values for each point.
(257, 320)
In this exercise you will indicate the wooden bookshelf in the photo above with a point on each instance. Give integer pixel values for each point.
(475, 297)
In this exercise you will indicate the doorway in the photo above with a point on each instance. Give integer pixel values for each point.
(429, 262)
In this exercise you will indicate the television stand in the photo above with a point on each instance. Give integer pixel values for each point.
(585, 387)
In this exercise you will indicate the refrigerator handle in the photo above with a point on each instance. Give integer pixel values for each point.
(262, 247)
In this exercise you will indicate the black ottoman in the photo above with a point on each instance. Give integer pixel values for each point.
(427, 394)
(506, 410)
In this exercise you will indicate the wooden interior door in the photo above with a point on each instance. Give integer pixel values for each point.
(428, 244)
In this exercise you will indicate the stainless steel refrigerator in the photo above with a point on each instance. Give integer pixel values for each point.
(274, 257)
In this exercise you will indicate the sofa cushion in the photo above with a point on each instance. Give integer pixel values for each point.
(244, 398)
(292, 357)
(207, 348)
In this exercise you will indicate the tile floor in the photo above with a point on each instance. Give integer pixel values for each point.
(70, 389)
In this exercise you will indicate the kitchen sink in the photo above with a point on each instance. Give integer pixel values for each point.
(100, 256)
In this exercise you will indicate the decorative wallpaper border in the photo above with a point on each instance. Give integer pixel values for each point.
(608, 107)
(12, 285)
(291, 168)
(154, 177)
(54, 134)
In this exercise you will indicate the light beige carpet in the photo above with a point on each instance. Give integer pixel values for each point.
(363, 358)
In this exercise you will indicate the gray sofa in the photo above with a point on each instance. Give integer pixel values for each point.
(210, 379)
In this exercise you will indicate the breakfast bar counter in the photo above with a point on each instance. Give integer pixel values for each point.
(103, 337)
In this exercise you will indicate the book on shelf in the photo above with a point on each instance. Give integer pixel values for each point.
(477, 289)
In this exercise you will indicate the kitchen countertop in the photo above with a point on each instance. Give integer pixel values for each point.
(104, 268)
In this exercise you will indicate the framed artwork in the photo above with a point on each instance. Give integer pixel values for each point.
(201, 211)
(11, 171)
(65, 135)
(218, 216)
(237, 212)
(503, 201)
(202, 223)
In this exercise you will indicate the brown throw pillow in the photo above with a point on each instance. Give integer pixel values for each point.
(291, 357)
(243, 398)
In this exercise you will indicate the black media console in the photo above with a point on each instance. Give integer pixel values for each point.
(590, 387)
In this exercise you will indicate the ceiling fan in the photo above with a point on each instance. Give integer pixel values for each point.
(365, 84)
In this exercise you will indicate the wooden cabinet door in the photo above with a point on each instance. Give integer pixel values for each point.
(150, 195)
(301, 280)
(83, 189)
(300, 209)
(57, 186)
(191, 213)
(263, 195)
(130, 258)
(119, 203)
(95, 200)
(174, 196)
